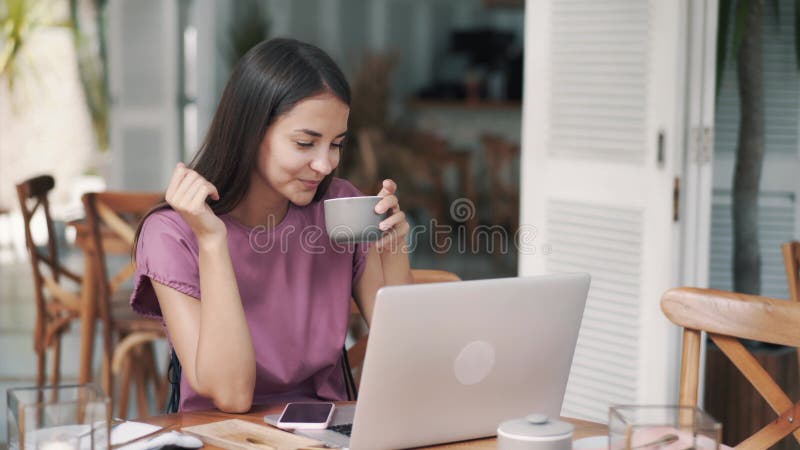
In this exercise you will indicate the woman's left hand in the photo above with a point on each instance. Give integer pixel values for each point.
(395, 227)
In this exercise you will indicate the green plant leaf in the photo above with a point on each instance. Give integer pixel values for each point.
(6, 54)
(249, 26)
(777, 7)
(740, 25)
(797, 32)
(92, 68)
(19, 19)
(723, 20)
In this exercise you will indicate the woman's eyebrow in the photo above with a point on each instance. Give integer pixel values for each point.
(318, 134)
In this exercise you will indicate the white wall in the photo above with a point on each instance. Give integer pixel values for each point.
(45, 125)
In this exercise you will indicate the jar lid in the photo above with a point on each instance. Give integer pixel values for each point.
(534, 426)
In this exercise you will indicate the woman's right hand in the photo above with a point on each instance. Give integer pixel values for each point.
(187, 194)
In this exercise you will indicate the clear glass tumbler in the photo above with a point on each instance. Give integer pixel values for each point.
(641, 427)
(58, 418)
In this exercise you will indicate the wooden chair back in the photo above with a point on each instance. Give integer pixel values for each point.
(417, 172)
(356, 352)
(502, 156)
(728, 317)
(112, 218)
(56, 305)
(437, 153)
(791, 263)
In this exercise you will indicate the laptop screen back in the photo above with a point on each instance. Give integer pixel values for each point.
(451, 361)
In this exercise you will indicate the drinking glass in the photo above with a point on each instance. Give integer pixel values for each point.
(58, 418)
(670, 427)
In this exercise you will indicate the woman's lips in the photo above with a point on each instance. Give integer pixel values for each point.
(310, 184)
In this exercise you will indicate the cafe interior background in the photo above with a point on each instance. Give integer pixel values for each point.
(617, 160)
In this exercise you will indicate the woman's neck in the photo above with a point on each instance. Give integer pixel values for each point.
(261, 205)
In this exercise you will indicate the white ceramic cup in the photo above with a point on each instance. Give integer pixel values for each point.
(353, 219)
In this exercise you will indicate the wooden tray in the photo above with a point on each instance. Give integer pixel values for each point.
(243, 435)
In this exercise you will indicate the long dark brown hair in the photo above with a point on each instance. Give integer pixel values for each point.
(267, 82)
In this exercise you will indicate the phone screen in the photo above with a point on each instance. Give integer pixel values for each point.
(306, 413)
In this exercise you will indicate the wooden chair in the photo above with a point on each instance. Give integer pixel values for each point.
(56, 304)
(133, 356)
(417, 160)
(356, 352)
(791, 262)
(437, 154)
(420, 185)
(727, 317)
(501, 156)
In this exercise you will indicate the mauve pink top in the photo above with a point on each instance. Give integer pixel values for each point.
(295, 286)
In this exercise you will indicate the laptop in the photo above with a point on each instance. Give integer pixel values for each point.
(450, 361)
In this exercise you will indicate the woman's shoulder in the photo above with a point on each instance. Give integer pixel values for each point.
(165, 236)
(166, 221)
(340, 187)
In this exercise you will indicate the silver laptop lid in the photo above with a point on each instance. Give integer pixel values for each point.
(451, 361)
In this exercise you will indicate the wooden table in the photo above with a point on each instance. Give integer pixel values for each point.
(187, 419)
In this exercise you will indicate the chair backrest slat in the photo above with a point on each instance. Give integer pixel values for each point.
(38, 186)
(753, 371)
(745, 316)
(791, 262)
(35, 190)
(126, 202)
(690, 368)
(117, 224)
(117, 213)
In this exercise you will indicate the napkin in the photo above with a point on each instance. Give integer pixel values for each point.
(685, 439)
(57, 438)
(642, 437)
(131, 430)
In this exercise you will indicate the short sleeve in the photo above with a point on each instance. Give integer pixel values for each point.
(167, 253)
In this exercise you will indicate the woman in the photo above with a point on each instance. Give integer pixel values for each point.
(256, 324)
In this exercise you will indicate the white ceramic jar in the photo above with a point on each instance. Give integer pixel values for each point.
(534, 432)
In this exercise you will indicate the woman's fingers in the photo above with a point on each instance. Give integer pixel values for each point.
(389, 187)
(175, 180)
(395, 226)
(198, 202)
(213, 192)
(182, 187)
(394, 236)
(393, 220)
(186, 193)
(388, 203)
(186, 187)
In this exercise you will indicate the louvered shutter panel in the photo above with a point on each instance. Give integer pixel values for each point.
(599, 91)
(606, 242)
(601, 85)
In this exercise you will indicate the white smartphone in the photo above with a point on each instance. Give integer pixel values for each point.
(306, 415)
